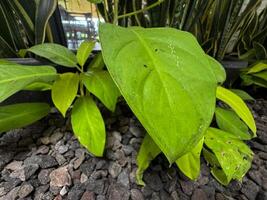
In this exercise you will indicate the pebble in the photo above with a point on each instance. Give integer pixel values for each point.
(83, 178)
(88, 196)
(136, 194)
(123, 178)
(199, 194)
(135, 131)
(55, 137)
(250, 189)
(25, 190)
(43, 176)
(15, 165)
(114, 169)
(118, 191)
(60, 177)
(63, 191)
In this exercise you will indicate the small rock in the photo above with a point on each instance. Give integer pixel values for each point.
(60, 159)
(12, 195)
(250, 189)
(48, 161)
(76, 192)
(25, 190)
(100, 197)
(114, 169)
(256, 176)
(30, 170)
(45, 140)
(136, 194)
(87, 167)
(116, 135)
(55, 137)
(127, 149)
(15, 165)
(58, 197)
(135, 131)
(123, 178)
(19, 174)
(43, 176)
(118, 191)
(60, 177)
(77, 163)
(42, 150)
(155, 196)
(175, 195)
(102, 164)
(199, 194)
(83, 178)
(63, 191)
(88, 196)
(63, 149)
(154, 181)
(99, 186)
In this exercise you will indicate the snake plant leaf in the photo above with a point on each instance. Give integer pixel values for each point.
(19, 115)
(88, 125)
(148, 151)
(103, 87)
(14, 77)
(242, 94)
(55, 53)
(228, 121)
(218, 69)
(238, 105)
(189, 163)
(163, 80)
(44, 10)
(234, 155)
(64, 91)
(257, 68)
(84, 52)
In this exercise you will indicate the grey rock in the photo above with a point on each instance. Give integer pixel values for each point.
(42, 150)
(175, 195)
(87, 167)
(77, 163)
(123, 178)
(60, 177)
(47, 196)
(35, 159)
(75, 193)
(40, 191)
(63, 149)
(55, 190)
(88, 196)
(43, 176)
(14, 165)
(100, 197)
(114, 169)
(250, 189)
(63, 191)
(48, 161)
(136, 194)
(155, 196)
(83, 178)
(147, 191)
(209, 192)
(55, 137)
(127, 149)
(199, 194)
(29, 170)
(101, 164)
(154, 181)
(256, 176)
(99, 174)
(12, 195)
(5, 157)
(187, 187)
(25, 190)
(8, 186)
(60, 159)
(118, 191)
(99, 186)
(135, 131)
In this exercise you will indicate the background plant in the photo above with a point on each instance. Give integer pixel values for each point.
(87, 122)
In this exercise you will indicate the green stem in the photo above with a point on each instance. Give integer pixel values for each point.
(105, 11)
(141, 10)
(115, 19)
(81, 88)
(135, 15)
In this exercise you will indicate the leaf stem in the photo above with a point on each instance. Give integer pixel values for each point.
(141, 10)
(115, 19)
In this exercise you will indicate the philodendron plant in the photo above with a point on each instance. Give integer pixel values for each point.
(87, 122)
(171, 85)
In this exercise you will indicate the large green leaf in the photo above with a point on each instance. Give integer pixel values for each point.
(148, 151)
(14, 77)
(228, 121)
(189, 163)
(64, 91)
(238, 105)
(88, 125)
(102, 86)
(84, 51)
(233, 155)
(218, 69)
(55, 53)
(19, 115)
(167, 81)
(44, 10)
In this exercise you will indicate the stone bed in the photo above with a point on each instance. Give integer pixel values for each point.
(45, 161)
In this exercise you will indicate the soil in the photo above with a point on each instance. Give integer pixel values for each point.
(45, 161)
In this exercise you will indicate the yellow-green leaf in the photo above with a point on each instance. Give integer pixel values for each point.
(84, 51)
(88, 125)
(257, 68)
(64, 91)
(238, 105)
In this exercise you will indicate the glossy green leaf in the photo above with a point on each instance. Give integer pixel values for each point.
(238, 105)
(228, 121)
(39, 86)
(233, 155)
(23, 114)
(103, 87)
(242, 94)
(84, 51)
(88, 125)
(167, 77)
(55, 53)
(14, 77)
(257, 68)
(218, 69)
(97, 63)
(44, 10)
(148, 151)
(262, 75)
(64, 91)
(189, 163)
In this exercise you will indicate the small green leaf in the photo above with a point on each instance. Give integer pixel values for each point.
(238, 105)
(95, 1)
(103, 87)
(88, 125)
(217, 69)
(64, 91)
(228, 121)
(243, 95)
(55, 53)
(84, 52)
(262, 75)
(23, 114)
(14, 77)
(257, 68)
(38, 86)
(148, 151)
(233, 155)
(189, 163)
(97, 63)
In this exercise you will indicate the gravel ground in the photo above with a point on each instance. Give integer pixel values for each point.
(45, 161)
